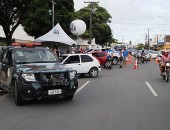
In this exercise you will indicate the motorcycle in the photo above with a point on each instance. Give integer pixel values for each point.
(143, 59)
(166, 72)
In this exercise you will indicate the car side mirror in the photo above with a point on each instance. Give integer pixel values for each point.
(5, 61)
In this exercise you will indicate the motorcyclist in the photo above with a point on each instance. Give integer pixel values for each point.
(143, 53)
(165, 58)
(160, 57)
(138, 56)
(143, 56)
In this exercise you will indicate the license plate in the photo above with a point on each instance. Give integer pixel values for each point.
(54, 92)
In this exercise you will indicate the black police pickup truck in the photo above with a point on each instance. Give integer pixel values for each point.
(34, 73)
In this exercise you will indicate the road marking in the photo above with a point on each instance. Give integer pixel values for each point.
(151, 89)
(79, 89)
(4, 96)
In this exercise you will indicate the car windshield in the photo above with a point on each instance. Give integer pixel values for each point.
(34, 56)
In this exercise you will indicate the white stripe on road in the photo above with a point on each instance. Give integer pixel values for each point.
(3, 96)
(152, 90)
(79, 89)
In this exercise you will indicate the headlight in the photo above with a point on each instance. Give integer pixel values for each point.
(72, 74)
(28, 77)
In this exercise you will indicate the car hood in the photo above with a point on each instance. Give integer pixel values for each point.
(41, 67)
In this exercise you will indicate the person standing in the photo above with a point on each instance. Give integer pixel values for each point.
(56, 50)
(121, 58)
(125, 54)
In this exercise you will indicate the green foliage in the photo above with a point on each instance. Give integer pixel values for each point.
(39, 20)
(100, 29)
(141, 46)
(12, 12)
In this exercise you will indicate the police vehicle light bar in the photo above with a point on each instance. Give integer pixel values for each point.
(33, 44)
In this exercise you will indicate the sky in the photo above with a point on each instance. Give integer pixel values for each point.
(131, 19)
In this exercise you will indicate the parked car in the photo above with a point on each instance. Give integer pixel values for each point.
(34, 73)
(101, 56)
(154, 54)
(82, 63)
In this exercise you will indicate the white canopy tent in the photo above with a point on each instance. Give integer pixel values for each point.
(58, 35)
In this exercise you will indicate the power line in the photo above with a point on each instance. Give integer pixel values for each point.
(142, 24)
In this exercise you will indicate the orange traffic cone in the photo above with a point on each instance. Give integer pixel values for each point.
(129, 59)
(136, 65)
(156, 60)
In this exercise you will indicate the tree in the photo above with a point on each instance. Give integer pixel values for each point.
(100, 28)
(141, 46)
(11, 12)
(39, 20)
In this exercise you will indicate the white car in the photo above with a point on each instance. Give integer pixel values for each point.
(154, 54)
(82, 63)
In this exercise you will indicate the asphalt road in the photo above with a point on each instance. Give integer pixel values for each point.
(119, 99)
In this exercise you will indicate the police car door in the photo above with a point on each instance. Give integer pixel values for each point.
(6, 67)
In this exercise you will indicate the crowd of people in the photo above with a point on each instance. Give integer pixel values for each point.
(70, 50)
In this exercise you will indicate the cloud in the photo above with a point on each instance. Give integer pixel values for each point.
(131, 18)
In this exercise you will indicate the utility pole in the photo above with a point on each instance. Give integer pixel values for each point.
(53, 3)
(91, 11)
(148, 38)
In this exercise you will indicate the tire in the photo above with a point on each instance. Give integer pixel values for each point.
(93, 73)
(115, 60)
(167, 76)
(69, 97)
(17, 95)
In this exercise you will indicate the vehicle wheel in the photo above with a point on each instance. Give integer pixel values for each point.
(93, 72)
(115, 60)
(167, 76)
(17, 94)
(69, 97)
